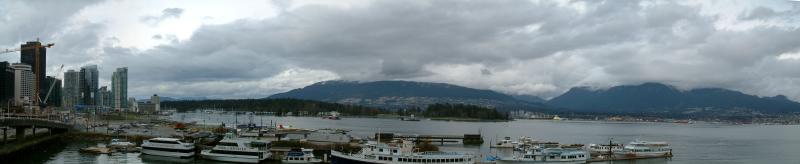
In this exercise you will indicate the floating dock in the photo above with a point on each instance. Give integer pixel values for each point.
(466, 138)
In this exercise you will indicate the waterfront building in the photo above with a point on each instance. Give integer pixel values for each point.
(105, 97)
(23, 84)
(119, 88)
(156, 101)
(6, 83)
(37, 63)
(89, 85)
(71, 89)
(146, 107)
(55, 96)
(132, 105)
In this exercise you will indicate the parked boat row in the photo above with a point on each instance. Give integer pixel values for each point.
(534, 151)
(237, 150)
(400, 152)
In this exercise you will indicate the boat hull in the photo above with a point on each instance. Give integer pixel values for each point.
(536, 162)
(232, 158)
(339, 158)
(645, 154)
(295, 161)
(167, 153)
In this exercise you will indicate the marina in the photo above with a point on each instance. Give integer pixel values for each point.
(299, 129)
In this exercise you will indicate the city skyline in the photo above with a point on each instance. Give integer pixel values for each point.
(257, 48)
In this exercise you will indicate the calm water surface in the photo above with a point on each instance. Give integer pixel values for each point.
(691, 143)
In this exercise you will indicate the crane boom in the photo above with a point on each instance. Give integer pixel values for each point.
(37, 65)
(26, 48)
(53, 83)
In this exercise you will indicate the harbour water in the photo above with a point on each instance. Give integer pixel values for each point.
(691, 143)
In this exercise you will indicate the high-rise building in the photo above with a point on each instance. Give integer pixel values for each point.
(53, 95)
(155, 100)
(105, 97)
(132, 105)
(72, 85)
(38, 64)
(119, 88)
(23, 84)
(6, 83)
(89, 85)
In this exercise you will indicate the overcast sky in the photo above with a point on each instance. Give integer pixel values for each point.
(252, 49)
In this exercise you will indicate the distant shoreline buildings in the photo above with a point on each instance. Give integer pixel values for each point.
(82, 90)
(26, 85)
(119, 89)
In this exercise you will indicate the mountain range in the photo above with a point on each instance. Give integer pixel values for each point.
(655, 97)
(405, 94)
(647, 97)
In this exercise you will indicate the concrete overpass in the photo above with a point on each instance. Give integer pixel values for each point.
(20, 122)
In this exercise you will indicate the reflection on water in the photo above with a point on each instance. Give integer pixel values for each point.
(692, 143)
(160, 159)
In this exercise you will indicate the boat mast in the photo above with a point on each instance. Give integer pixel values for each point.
(610, 146)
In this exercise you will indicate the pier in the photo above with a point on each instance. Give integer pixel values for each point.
(441, 139)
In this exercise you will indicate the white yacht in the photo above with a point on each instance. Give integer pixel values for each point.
(169, 147)
(300, 156)
(120, 143)
(400, 153)
(646, 149)
(605, 149)
(505, 143)
(548, 155)
(238, 150)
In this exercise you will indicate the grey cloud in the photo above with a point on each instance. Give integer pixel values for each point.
(26, 20)
(758, 13)
(172, 12)
(541, 48)
(486, 72)
(165, 14)
(761, 13)
(609, 43)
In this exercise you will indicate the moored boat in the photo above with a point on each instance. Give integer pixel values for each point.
(398, 153)
(300, 156)
(604, 149)
(410, 118)
(169, 147)
(548, 155)
(505, 143)
(644, 149)
(238, 150)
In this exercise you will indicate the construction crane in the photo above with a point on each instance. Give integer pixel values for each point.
(52, 84)
(36, 67)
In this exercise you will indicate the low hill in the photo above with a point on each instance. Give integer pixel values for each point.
(279, 106)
